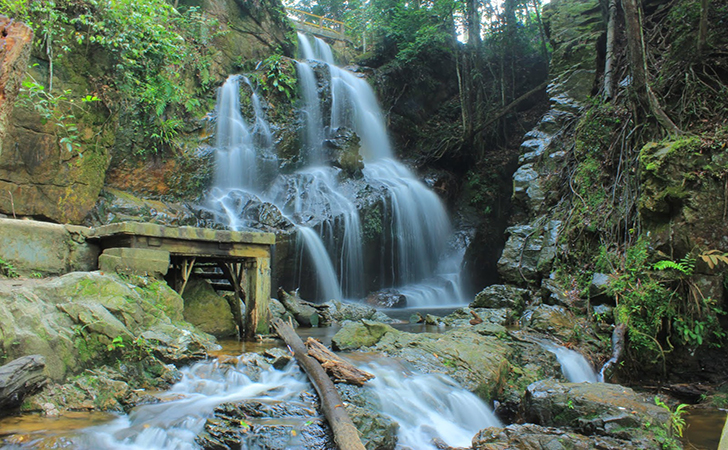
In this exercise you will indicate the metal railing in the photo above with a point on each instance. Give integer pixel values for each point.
(315, 21)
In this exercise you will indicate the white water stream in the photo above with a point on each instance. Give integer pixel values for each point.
(425, 406)
(574, 366)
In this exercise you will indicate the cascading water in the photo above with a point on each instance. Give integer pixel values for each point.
(415, 221)
(428, 406)
(574, 366)
(415, 229)
(175, 422)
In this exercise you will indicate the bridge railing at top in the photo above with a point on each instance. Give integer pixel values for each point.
(313, 20)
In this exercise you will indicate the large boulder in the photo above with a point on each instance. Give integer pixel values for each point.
(355, 335)
(34, 248)
(593, 408)
(82, 320)
(208, 311)
(501, 296)
(535, 437)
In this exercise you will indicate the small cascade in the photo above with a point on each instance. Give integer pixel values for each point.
(175, 423)
(574, 366)
(312, 114)
(236, 160)
(328, 284)
(428, 406)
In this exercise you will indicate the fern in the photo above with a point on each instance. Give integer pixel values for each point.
(686, 266)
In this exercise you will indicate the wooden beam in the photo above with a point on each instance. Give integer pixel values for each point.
(346, 435)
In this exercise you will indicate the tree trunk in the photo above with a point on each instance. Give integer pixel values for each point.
(609, 59)
(345, 433)
(541, 28)
(646, 99)
(703, 27)
(18, 379)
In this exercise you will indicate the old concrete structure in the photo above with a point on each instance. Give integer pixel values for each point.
(241, 260)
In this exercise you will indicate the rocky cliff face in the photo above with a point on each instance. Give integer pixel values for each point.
(57, 147)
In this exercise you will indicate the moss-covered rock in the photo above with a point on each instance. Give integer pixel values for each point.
(606, 409)
(208, 311)
(82, 320)
(355, 335)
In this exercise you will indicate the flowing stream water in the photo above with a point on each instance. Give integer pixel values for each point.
(574, 366)
(425, 406)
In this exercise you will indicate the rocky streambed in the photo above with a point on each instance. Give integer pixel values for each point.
(120, 344)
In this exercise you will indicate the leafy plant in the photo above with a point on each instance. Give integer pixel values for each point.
(685, 266)
(8, 269)
(116, 343)
(56, 109)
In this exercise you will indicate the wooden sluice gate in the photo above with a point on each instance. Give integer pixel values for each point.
(235, 261)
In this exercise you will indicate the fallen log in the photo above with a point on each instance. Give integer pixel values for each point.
(345, 433)
(341, 371)
(18, 379)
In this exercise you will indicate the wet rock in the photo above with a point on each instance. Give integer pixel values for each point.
(279, 357)
(594, 408)
(206, 310)
(501, 296)
(305, 313)
(343, 311)
(551, 319)
(355, 335)
(518, 263)
(461, 317)
(377, 431)
(530, 436)
(387, 298)
(603, 313)
(275, 426)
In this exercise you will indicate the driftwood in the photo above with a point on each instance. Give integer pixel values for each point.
(476, 318)
(345, 433)
(341, 371)
(18, 379)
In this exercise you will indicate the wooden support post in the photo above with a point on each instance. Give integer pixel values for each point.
(186, 270)
(234, 273)
(257, 303)
(345, 433)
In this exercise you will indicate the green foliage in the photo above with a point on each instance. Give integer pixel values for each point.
(154, 51)
(659, 302)
(685, 266)
(668, 434)
(116, 343)
(56, 109)
(7, 269)
(277, 76)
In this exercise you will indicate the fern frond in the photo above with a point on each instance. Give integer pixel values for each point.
(667, 264)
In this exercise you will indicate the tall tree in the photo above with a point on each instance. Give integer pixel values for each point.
(646, 99)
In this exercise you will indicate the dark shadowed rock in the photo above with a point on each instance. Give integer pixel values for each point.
(387, 298)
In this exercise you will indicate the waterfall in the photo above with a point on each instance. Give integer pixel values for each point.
(416, 222)
(574, 366)
(415, 229)
(327, 281)
(236, 165)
